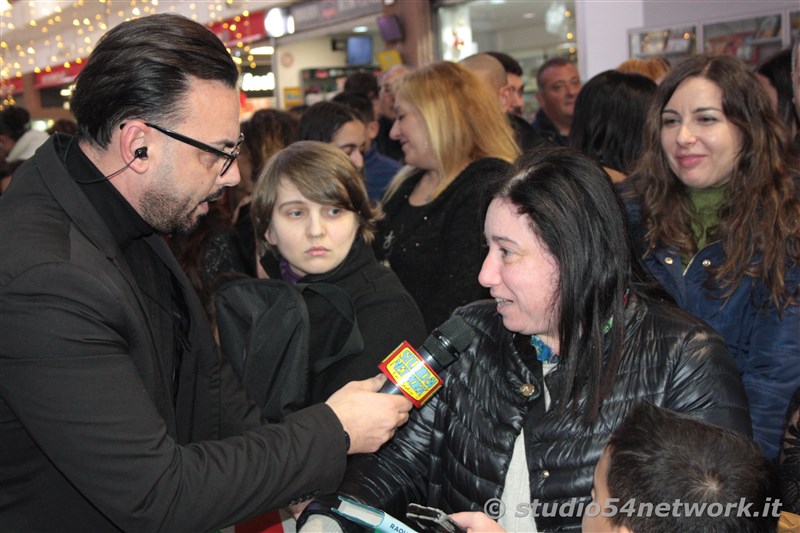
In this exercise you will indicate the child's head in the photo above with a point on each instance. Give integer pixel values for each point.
(310, 203)
(658, 457)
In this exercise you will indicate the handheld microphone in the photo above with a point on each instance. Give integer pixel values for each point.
(413, 373)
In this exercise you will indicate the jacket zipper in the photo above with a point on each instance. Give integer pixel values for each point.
(685, 270)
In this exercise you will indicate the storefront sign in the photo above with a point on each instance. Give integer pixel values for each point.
(59, 75)
(310, 15)
(246, 29)
(292, 96)
(10, 86)
(259, 81)
(253, 82)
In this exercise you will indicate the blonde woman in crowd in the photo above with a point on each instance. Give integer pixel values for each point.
(454, 136)
(656, 67)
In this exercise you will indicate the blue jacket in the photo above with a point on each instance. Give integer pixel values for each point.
(766, 347)
(378, 171)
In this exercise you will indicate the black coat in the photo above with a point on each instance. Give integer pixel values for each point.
(454, 452)
(437, 251)
(385, 313)
(386, 145)
(93, 436)
(528, 138)
(545, 126)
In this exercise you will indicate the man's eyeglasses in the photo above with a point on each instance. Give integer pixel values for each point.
(229, 157)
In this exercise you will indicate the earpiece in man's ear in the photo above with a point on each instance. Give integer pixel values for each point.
(139, 153)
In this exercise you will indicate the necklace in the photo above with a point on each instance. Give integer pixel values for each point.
(545, 354)
(430, 188)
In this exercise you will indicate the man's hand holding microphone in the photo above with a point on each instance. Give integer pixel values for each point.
(371, 410)
(369, 418)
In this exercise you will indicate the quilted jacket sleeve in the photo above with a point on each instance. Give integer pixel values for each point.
(391, 478)
(706, 382)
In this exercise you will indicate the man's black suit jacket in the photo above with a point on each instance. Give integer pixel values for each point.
(90, 438)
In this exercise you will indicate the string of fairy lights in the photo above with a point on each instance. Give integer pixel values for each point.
(40, 35)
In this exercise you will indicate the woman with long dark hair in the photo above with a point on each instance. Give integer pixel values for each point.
(574, 338)
(609, 119)
(717, 222)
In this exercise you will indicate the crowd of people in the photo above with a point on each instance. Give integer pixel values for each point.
(627, 259)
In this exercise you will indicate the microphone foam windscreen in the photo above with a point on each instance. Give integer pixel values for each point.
(447, 341)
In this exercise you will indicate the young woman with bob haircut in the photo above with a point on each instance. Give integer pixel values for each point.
(314, 222)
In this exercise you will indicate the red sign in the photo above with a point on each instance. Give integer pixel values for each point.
(59, 75)
(246, 29)
(11, 86)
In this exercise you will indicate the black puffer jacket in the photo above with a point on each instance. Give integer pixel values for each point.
(455, 451)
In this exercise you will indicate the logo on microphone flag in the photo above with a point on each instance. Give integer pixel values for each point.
(411, 374)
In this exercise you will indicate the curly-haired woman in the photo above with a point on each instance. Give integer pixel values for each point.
(718, 220)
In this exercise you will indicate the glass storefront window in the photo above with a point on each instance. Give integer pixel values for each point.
(530, 32)
(750, 39)
(57, 96)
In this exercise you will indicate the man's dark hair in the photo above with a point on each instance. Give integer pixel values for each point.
(510, 65)
(14, 121)
(321, 121)
(552, 62)
(777, 68)
(609, 118)
(658, 456)
(362, 83)
(359, 103)
(142, 69)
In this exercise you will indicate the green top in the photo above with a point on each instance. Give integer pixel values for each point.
(706, 204)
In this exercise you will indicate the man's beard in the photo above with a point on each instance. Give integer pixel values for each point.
(168, 215)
